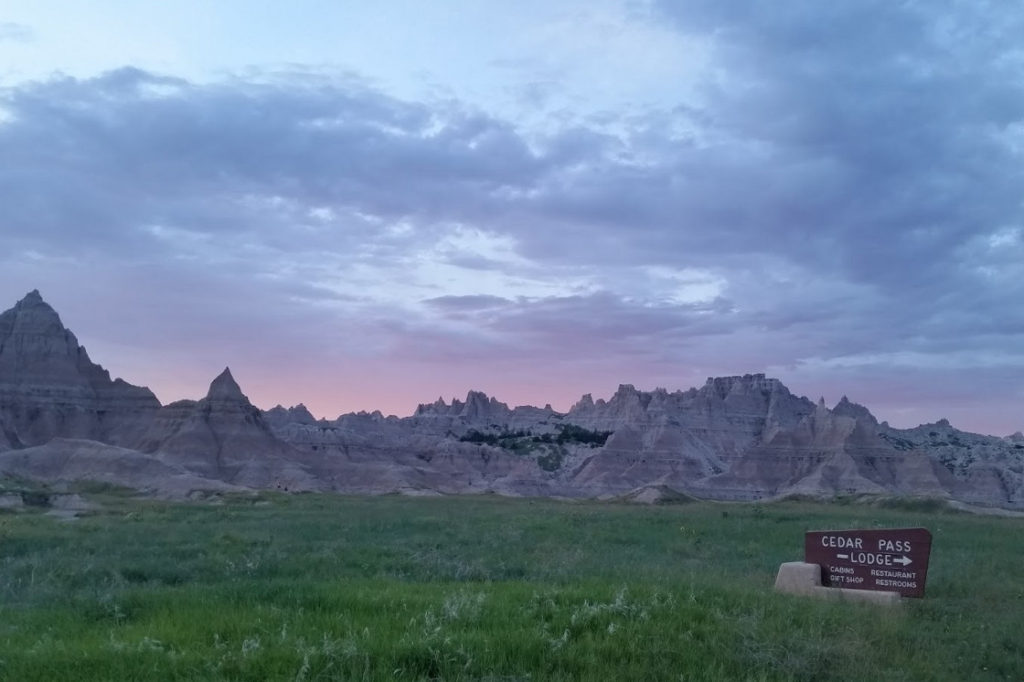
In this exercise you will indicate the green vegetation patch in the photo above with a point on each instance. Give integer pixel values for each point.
(515, 439)
(312, 587)
(548, 449)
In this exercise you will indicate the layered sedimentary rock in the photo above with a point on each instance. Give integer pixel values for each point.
(71, 459)
(224, 437)
(279, 416)
(727, 414)
(835, 451)
(985, 469)
(50, 388)
(477, 412)
(683, 437)
(738, 437)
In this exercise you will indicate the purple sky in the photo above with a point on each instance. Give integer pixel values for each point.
(365, 208)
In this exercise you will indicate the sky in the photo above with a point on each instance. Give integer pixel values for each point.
(368, 205)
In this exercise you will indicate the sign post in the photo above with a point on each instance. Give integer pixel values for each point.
(889, 560)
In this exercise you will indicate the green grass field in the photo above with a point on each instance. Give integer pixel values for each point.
(478, 588)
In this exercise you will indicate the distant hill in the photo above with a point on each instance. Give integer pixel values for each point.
(735, 438)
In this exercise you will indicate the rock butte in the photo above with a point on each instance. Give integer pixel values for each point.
(744, 437)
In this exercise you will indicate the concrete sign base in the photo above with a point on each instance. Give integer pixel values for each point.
(796, 577)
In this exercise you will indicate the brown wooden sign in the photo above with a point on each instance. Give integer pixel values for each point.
(890, 560)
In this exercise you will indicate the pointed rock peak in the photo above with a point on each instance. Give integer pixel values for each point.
(301, 414)
(37, 313)
(32, 298)
(478, 404)
(34, 329)
(846, 408)
(224, 387)
(625, 392)
(33, 303)
(439, 406)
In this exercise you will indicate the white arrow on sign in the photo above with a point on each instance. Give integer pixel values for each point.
(905, 561)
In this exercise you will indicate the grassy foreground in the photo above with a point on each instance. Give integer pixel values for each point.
(393, 588)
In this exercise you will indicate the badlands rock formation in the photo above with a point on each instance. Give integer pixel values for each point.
(50, 388)
(832, 452)
(64, 459)
(744, 437)
(224, 437)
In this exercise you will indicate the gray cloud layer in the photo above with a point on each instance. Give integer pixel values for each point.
(841, 203)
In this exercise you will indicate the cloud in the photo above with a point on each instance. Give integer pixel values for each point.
(839, 192)
(468, 303)
(242, 150)
(868, 122)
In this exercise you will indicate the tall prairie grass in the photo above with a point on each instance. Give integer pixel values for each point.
(312, 587)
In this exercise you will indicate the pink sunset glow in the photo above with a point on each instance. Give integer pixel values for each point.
(668, 191)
